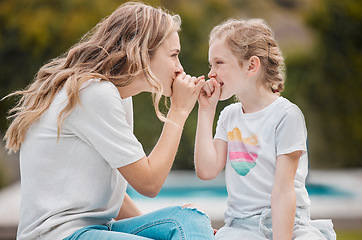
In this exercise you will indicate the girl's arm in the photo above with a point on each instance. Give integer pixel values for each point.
(129, 209)
(210, 155)
(283, 199)
(148, 174)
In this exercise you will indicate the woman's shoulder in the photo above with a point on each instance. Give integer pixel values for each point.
(99, 92)
(98, 87)
(100, 96)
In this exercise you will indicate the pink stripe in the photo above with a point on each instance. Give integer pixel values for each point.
(236, 146)
(242, 156)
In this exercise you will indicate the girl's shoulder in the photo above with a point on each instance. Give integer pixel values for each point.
(286, 110)
(284, 106)
(279, 109)
(232, 108)
(230, 111)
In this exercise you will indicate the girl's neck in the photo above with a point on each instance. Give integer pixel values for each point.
(255, 101)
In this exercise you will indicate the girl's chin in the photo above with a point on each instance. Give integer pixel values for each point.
(224, 97)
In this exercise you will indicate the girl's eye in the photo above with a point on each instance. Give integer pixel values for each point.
(219, 62)
(174, 55)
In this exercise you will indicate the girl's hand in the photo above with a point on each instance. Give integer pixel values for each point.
(185, 92)
(209, 95)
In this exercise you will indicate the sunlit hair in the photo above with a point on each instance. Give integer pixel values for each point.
(252, 37)
(118, 49)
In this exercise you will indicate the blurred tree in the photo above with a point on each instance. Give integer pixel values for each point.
(34, 31)
(198, 18)
(330, 84)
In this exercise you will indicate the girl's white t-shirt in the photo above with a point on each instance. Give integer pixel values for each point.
(72, 182)
(254, 142)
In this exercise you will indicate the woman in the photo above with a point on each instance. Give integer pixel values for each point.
(73, 126)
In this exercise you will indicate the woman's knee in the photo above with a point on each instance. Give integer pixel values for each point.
(194, 213)
(195, 221)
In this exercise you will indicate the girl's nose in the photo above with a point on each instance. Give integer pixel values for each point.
(211, 74)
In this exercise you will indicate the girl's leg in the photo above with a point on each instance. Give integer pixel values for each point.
(231, 233)
(314, 229)
(307, 233)
(172, 223)
(307, 229)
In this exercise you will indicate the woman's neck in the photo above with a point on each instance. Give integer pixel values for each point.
(137, 86)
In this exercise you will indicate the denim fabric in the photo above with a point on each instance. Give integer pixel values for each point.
(172, 223)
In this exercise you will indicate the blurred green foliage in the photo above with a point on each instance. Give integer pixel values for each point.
(349, 234)
(324, 79)
(33, 32)
(328, 83)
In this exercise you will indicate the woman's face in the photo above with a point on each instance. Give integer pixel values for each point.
(165, 64)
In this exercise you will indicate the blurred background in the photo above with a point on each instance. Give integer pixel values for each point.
(321, 41)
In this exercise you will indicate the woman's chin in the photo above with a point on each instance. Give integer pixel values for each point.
(167, 93)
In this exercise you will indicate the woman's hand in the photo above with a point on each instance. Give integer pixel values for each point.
(185, 92)
(209, 95)
(148, 174)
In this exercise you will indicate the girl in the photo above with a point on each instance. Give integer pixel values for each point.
(261, 140)
(73, 127)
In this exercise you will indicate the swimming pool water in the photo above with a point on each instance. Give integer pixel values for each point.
(220, 191)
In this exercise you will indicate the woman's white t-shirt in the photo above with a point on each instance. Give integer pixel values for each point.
(72, 182)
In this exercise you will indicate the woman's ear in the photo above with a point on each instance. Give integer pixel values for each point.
(254, 65)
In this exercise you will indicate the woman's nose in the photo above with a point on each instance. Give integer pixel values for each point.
(179, 68)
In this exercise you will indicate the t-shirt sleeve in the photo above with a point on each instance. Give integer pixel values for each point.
(100, 120)
(291, 133)
(221, 131)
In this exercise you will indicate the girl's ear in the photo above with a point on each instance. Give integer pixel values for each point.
(254, 65)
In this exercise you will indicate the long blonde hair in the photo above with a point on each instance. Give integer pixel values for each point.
(118, 49)
(252, 37)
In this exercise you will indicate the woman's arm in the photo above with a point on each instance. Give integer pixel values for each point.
(148, 174)
(283, 200)
(129, 209)
(210, 155)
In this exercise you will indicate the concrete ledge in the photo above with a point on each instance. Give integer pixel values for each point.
(8, 233)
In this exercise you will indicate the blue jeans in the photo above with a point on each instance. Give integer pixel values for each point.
(172, 223)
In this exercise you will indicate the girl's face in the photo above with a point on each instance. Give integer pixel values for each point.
(225, 68)
(165, 64)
